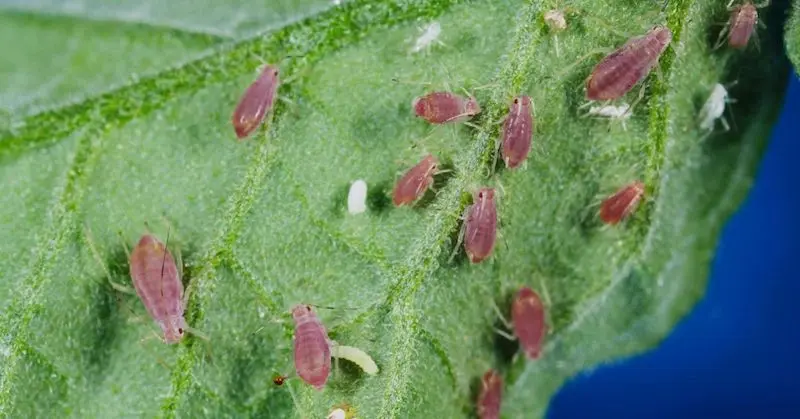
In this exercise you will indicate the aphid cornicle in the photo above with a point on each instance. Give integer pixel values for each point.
(490, 396)
(415, 182)
(158, 284)
(742, 24)
(480, 226)
(312, 352)
(444, 107)
(528, 320)
(256, 102)
(517, 132)
(617, 73)
(622, 203)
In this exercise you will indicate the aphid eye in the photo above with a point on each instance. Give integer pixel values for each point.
(180, 331)
(516, 101)
(308, 308)
(480, 195)
(276, 72)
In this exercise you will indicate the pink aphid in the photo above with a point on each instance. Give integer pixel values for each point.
(312, 351)
(517, 132)
(480, 226)
(618, 206)
(742, 24)
(617, 73)
(158, 284)
(415, 182)
(527, 318)
(490, 396)
(444, 107)
(256, 102)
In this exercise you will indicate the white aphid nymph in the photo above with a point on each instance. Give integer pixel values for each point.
(429, 35)
(714, 108)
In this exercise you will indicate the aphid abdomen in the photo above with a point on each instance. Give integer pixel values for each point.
(481, 226)
(442, 107)
(618, 72)
(742, 24)
(256, 102)
(490, 396)
(517, 132)
(528, 319)
(618, 206)
(161, 294)
(312, 353)
(415, 182)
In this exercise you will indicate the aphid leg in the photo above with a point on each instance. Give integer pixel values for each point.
(635, 102)
(152, 335)
(721, 38)
(460, 234)
(756, 41)
(495, 155)
(724, 124)
(500, 316)
(96, 255)
(545, 293)
(505, 334)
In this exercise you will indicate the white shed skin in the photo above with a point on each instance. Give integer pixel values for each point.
(357, 197)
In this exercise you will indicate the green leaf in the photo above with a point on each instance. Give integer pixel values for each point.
(793, 36)
(128, 135)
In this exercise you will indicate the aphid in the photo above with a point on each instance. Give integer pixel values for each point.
(527, 318)
(742, 24)
(618, 206)
(415, 182)
(555, 20)
(256, 102)
(357, 197)
(355, 355)
(617, 73)
(429, 35)
(621, 112)
(490, 396)
(444, 107)
(714, 108)
(517, 132)
(312, 352)
(158, 284)
(342, 411)
(480, 226)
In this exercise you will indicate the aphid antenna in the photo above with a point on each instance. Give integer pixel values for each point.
(416, 83)
(594, 51)
(333, 308)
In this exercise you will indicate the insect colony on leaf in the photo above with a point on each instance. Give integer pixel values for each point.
(157, 277)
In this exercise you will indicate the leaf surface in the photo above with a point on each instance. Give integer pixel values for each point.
(262, 224)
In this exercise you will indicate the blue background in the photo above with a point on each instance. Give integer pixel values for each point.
(736, 354)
